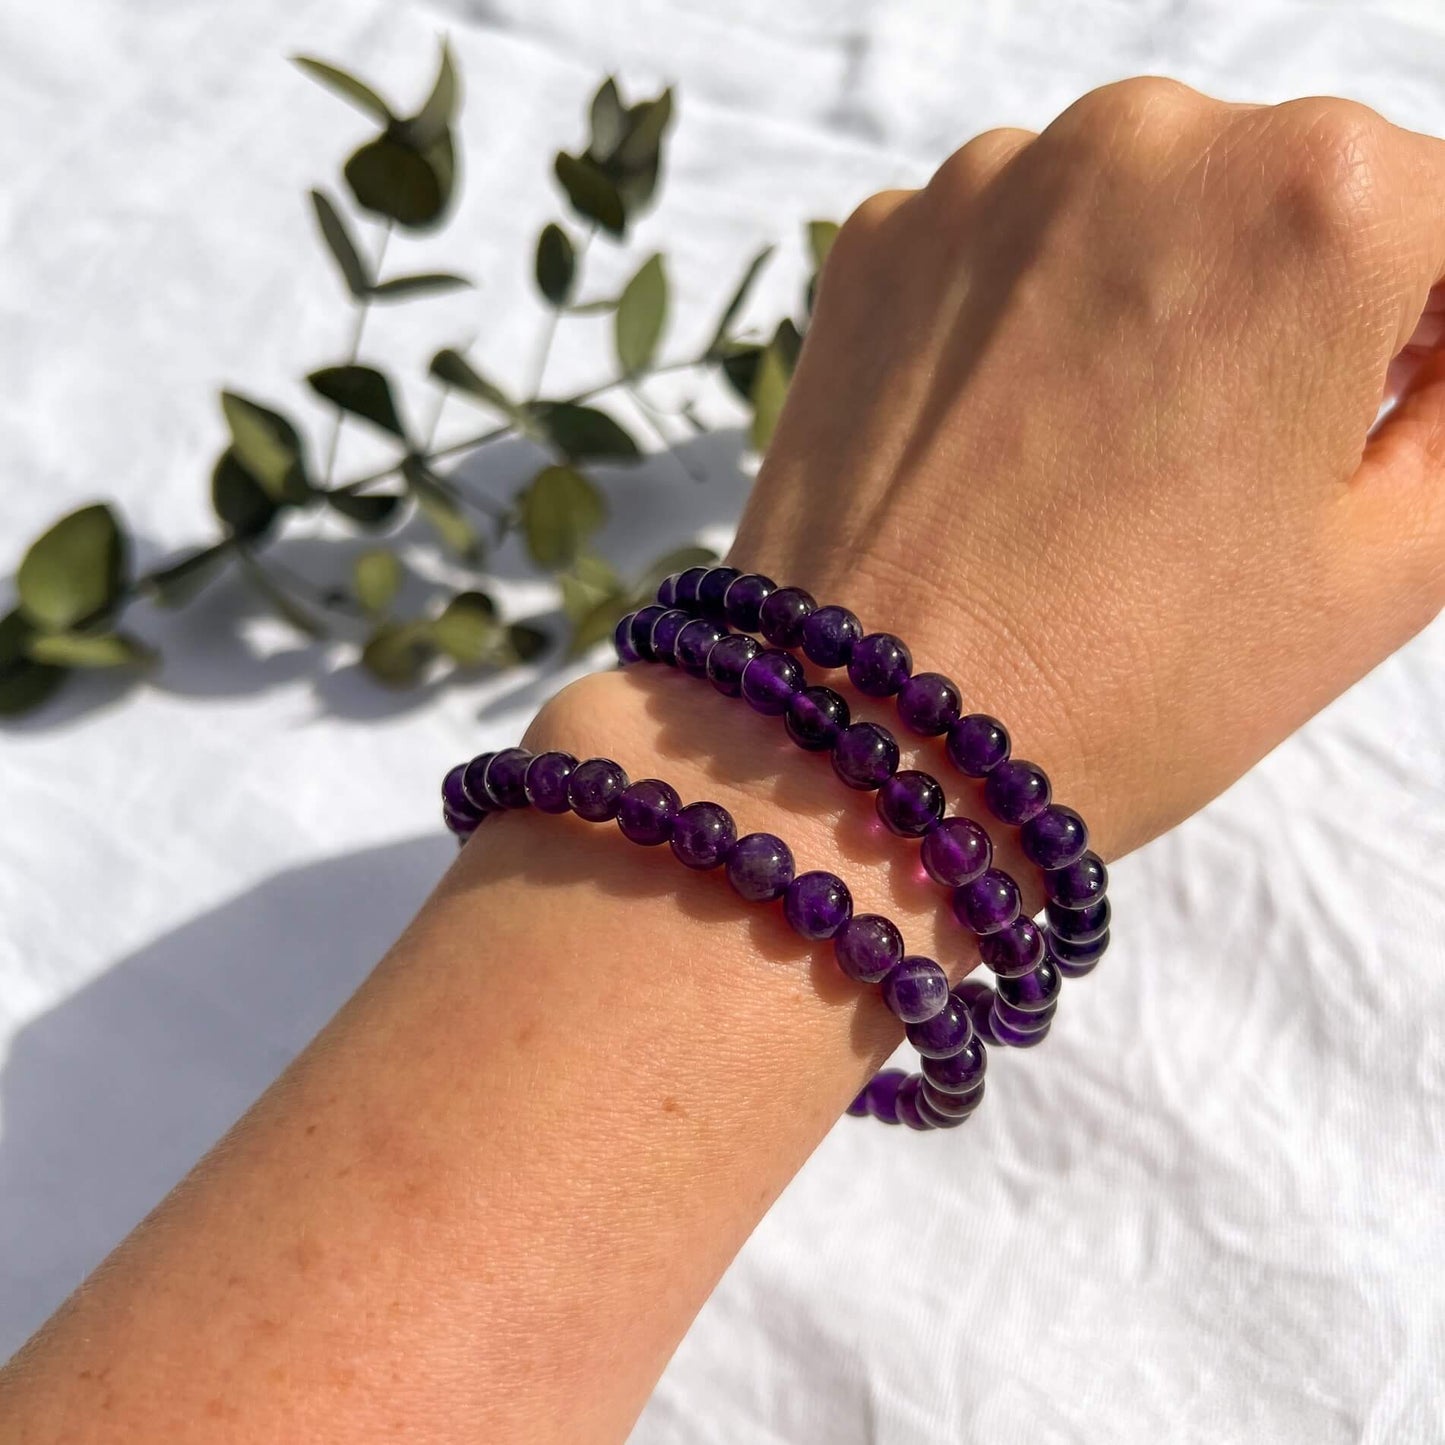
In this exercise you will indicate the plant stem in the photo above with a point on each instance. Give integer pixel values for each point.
(650, 416)
(362, 309)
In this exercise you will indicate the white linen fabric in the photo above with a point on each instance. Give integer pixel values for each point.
(1211, 1209)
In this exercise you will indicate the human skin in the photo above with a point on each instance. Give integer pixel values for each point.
(1087, 421)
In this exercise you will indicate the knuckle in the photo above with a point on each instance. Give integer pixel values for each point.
(1330, 155)
(1129, 131)
(867, 219)
(966, 173)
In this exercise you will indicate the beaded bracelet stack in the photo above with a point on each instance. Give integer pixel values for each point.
(702, 624)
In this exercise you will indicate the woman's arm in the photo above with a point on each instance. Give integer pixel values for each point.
(1086, 422)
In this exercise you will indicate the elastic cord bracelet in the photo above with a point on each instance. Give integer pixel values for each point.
(940, 1022)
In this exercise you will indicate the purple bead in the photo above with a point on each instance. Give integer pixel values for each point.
(910, 803)
(954, 1107)
(595, 789)
(858, 1109)
(728, 660)
(1005, 1033)
(505, 781)
(868, 947)
(622, 641)
(664, 634)
(1015, 949)
(945, 1034)
(1026, 1021)
(1083, 882)
(977, 997)
(987, 904)
(1031, 991)
(462, 824)
(978, 744)
(916, 990)
(744, 597)
(770, 680)
(684, 593)
(474, 777)
(694, 643)
(703, 835)
(781, 617)
(881, 1091)
(929, 704)
(956, 852)
(646, 810)
(962, 1072)
(641, 630)
(1074, 960)
(879, 665)
(817, 904)
(1055, 837)
(712, 589)
(1079, 925)
(667, 590)
(815, 718)
(760, 867)
(454, 796)
(865, 755)
(1017, 791)
(829, 635)
(934, 1118)
(907, 1103)
(547, 777)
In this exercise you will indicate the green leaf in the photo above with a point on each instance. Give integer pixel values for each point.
(527, 643)
(821, 235)
(397, 652)
(556, 264)
(376, 579)
(646, 124)
(267, 446)
(374, 510)
(591, 580)
(430, 123)
(391, 178)
(607, 121)
(467, 630)
(739, 299)
(25, 685)
(788, 342)
(354, 270)
(176, 584)
(361, 390)
(593, 196)
(74, 572)
(440, 508)
(597, 623)
(16, 632)
(348, 86)
(582, 433)
(420, 284)
(560, 510)
(740, 367)
(286, 606)
(452, 369)
(769, 391)
(90, 650)
(240, 501)
(641, 315)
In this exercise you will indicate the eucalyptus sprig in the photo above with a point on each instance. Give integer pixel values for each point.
(77, 582)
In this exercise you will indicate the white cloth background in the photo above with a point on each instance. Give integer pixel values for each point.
(1212, 1209)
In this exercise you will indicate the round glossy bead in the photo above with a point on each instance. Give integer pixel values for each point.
(865, 755)
(1055, 837)
(595, 789)
(770, 680)
(505, 781)
(1074, 960)
(642, 624)
(916, 990)
(454, 795)
(817, 904)
(1016, 949)
(686, 589)
(1079, 925)
(622, 641)
(933, 1117)
(987, 904)
(703, 835)
(694, 643)
(952, 1106)
(760, 867)
(815, 718)
(948, 1032)
(1083, 882)
(879, 664)
(910, 803)
(1031, 991)
(977, 744)
(907, 1103)
(646, 810)
(462, 824)
(977, 997)
(829, 635)
(474, 777)
(1024, 1020)
(782, 614)
(881, 1092)
(929, 704)
(858, 1109)
(712, 589)
(956, 852)
(868, 947)
(547, 777)
(667, 590)
(1017, 791)
(728, 660)
(959, 1073)
(745, 595)
(664, 634)
(1006, 1033)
